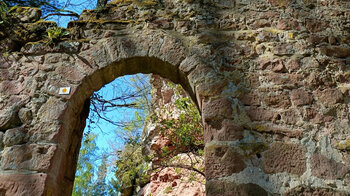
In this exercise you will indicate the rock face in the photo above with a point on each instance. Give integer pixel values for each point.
(172, 181)
(264, 73)
(169, 180)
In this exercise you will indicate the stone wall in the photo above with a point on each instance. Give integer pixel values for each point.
(271, 79)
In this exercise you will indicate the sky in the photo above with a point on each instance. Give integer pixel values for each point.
(73, 5)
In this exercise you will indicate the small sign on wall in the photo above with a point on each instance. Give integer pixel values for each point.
(64, 91)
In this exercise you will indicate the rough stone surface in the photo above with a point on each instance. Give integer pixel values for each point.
(284, 157)
(218, 188)
(260, 71)
(300, 97)
(23, 184)
(169, 182)
(223, 162)
(303, 190)
(323, 167)
(14, 136)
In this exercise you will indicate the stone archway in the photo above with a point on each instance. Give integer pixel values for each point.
(270, 78)
(74, 119)
(87, 72)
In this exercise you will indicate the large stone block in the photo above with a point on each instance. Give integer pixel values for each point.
(227, 188)
(323, 167)
(285, 157)
(222, 161)
(32, 157)
(301, 97)
(23, 184)
(217, 109)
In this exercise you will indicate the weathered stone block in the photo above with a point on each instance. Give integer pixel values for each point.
(260, 114)
(25, 115)
(301, 97)
(323, 167)
(32, 157)
(26, 14)
(329, 96)
(277, 100)
(222, 161)
(14, 136)
(52, 109)
(285, 157)
(305, 190)
(217, 109)
(226, 131)
(23, 184)
(336, 51)
(225, 188)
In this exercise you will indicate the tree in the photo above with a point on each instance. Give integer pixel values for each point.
(85, 169)
(66, 8)
(131, 95)
(101, 187)
(185, 132)
(131, 169)
(47, 6)
(90, 178)
(134, 97)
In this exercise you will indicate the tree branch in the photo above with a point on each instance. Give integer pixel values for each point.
(183, 167)
(61, 14)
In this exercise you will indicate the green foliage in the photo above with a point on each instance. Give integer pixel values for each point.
(85, 169)
(4, 9)
(131, 167)
(168, 189)
(186, 131)
(192, 177)
(55, 34)
(86, 183)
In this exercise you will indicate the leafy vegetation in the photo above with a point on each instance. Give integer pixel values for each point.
(3, 11)
(88, 180)
(55, 34)
(185, 131)
(131, 169)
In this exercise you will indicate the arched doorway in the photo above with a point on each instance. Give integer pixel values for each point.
(73, 117)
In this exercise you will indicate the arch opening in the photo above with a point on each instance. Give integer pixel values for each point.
(79, 103)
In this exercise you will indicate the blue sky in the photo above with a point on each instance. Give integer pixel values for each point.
(73, 5)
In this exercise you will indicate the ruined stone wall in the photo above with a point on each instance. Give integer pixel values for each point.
(271, 79)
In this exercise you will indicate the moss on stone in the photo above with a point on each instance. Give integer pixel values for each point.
(37, 42)
(260, 128)
(344, 145)
(21, 10)
(252, 148)
(139, 3)
(43, 22)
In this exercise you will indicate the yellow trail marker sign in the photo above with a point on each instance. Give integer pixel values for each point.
(64, 91)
